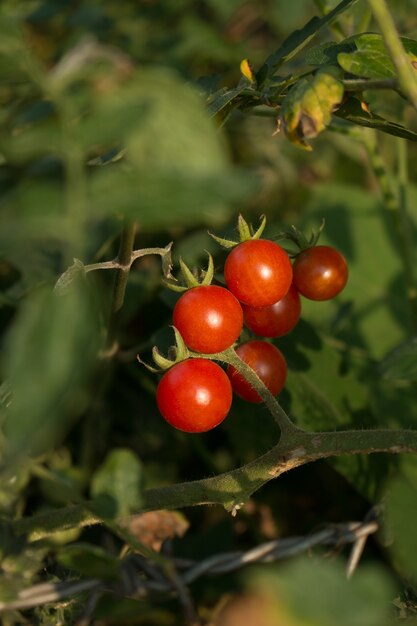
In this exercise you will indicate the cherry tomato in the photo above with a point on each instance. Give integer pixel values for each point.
(209, 318)
(274, 320)
(258, 272)
(267, 361)
(320, 273)
(194, 395)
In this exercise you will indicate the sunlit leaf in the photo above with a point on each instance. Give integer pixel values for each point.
(371, 58)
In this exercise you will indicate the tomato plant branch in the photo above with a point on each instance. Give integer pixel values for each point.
(124, 256)
(397, 209)
(360, 84)
(233, 488)
(116, 264)
(406, 73)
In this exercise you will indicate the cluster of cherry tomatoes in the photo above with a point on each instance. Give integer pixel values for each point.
(263, 288)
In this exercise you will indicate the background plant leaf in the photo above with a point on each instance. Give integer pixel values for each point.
(50, 354)
(118, 484)
(401, 362)
(352, 111)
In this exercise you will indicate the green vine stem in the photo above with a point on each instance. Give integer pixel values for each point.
(406, 73)
(233, 489)
(127, 240)
(407, 230)
(397, 209)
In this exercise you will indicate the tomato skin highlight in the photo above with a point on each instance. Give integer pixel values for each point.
(209, 318)
(320, 273)
(267, 361)
(258, 272)
(194, 395)
(274, 320)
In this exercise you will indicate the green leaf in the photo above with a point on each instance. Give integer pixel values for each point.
(89, 560)
(224, 98)
(401, 362)
(300, 38)
(118, 484)
(376, 65)
(352, 111)
(73, 272)
(326, 53)
(401, 509)
(50, 352)
(316, 592)
(371, 58)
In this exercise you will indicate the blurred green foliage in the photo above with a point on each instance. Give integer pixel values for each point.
(103, 115)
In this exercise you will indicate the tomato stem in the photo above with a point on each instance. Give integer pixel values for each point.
(127, 240)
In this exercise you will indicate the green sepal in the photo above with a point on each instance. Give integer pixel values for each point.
(209, 272)
(177, 353)
(152, 369)
(192, 279)
(189, 278)
(174, 286)
(245, 231)
(297, 237)
(225, 243)
(160, 360)
(257, 234)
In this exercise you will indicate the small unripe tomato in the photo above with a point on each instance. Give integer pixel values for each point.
(194, 395)
(209, 318)
(320, 273)
(274, 320)
(269, 364)
(258, 272)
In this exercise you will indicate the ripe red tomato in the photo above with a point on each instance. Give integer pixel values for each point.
(274, 320)
(209, 318)
(258, 272)
(267, 361)
(194, 395)
(320, 273)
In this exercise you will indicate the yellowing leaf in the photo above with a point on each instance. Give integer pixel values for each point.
(307, 109)
(246, 70)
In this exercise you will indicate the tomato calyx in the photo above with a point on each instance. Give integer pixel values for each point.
(191, 278)
(176, 353)
(245, 231)
(299, 239)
